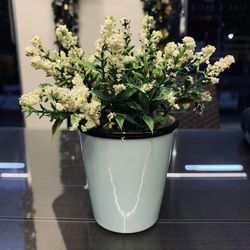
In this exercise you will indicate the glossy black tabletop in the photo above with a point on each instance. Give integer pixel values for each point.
(45, 205)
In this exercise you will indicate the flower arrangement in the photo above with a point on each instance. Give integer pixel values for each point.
(117, 87)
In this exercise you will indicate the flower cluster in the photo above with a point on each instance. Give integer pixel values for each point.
(118, 87)
(76, 103)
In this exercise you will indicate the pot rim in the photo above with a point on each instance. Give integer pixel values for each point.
(133, 134)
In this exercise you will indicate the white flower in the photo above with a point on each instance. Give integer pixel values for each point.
(176, 106)
(116, 43)
(36, 62)
(190, 79)
(75, 53)
(147, 23)
(106, 31)
(30, 51)
(107, 27)
(205, 96)
(170, 97)
(30, 99)
(204, 55)
(147, 26)
(36, 42)
(208, 50)
(147, 87)
(171, 51)
(78, 101)
(119, 88)
(116, 61)
(77, 80)
(219, 66)
(111, 116)
(155, 38)
(75, 120)
(40, 63)
(186, 106)
(125, 28)
(66, 37)
(119, 76)
(159, 64)
(189, 42)
(48, 90)
(59, 106)
(214, 80)
(92, 59)
(129, 59)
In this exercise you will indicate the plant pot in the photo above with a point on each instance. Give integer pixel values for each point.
(126, 175)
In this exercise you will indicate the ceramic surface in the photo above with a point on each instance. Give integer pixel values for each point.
(126, 180)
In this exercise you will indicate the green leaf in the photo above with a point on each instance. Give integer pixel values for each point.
(155, 104)
(61, 83)
(158, 119)
(146, 66)
(143, 100)
(120, 121)
(53, 57)
(42, 85)
(158, 74)
(87, 64)
(56, 125)
(138, 75)
(130, 119)
(102, 95)
(149, 121)
(195, 94)
(128, 92)
(181, 53)
(134, 105)
(155, 92)
(127, 79)
(165, 90)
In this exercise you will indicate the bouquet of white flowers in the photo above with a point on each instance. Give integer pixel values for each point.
(118, 88)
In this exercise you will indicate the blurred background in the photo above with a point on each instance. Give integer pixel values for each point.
(222, 23)
(10, 85)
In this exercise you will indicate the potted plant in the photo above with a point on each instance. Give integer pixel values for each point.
(123, 103)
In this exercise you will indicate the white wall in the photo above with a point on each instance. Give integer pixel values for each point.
(32, 17)
(35, 17)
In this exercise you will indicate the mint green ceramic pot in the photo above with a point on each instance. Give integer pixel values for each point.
(126, 174)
